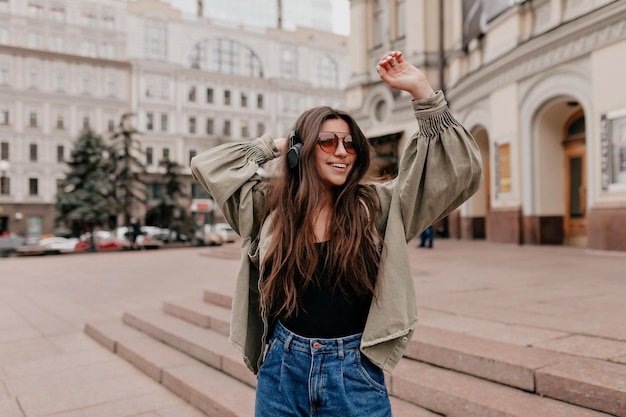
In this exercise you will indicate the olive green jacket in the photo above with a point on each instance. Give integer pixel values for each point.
(439, 170)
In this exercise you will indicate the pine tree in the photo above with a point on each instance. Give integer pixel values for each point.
(129, 186)
(86, 198)
(171, 213)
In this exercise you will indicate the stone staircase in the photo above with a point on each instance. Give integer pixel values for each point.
(185, 347)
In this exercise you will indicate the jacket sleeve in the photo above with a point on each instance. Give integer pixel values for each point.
(439, 170)
(229, 174)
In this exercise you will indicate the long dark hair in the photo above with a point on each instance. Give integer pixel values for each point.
(294, 199)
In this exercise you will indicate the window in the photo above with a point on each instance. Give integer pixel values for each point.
(35, 10)
(111, 124)
(503, 168)
(35, 40)
(86, 121)
(165, 88)
(88, 19)
(209, 95)
(33, 186)
(227, 97)
(110, 86)
(33, 78)
(86, 84)
(225, 56)
(192, 124)
(244, 129)
(149, 120)
(192, 93)
(60, 120)
(4, 116)
(4, 34)
(289, 63)
(57, 14)
(156, 40)
(244, 100)
(613, 150)
(260, 129)
(327, 73)
(209, 126)
(4, 75)
(192, 153)
(5, 185)
(166, 154)
(107, 50)
(259, 101)
(32, 118)
(163, 122)
(60, 153)
(108, 22)
(4, 6)
(226, 131)
(33, 152)
(88, 48)
(149, 156)
(60, 81)
(197, 191)
(57, 43)
(4, 151)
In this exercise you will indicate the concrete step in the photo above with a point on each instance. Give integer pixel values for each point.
(184, 374)
(458, 395)
(223, 300)
(563, 376)
(208, 389)
(200, 313)
(204, 345)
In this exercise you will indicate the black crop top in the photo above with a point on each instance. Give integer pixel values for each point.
(328, 312)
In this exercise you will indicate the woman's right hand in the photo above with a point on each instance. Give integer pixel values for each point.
(398, 73)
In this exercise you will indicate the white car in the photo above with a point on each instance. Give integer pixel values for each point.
(60, 243)
(227, 232)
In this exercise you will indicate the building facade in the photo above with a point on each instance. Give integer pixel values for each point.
(538, 85)
(190, 85)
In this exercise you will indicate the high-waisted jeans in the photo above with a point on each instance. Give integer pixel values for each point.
(319, 378)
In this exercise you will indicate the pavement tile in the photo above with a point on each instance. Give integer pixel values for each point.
(10, 408)
(591, 383)
(592, 347)
(26, 350)
(74, 343)
(517, 335)
(620, 359)
(147, 404)
(92, 390)
(41, 319)
(181, 409)
(59, 363)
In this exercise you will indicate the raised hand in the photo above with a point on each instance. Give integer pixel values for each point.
(399, 74)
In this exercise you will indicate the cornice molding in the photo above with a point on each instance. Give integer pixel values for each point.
(572, 40)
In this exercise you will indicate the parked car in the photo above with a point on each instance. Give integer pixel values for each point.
(227, 232)
(104, 239)
(206, 236)
(63, 244)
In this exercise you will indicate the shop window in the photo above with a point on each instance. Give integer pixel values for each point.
(613, 150)
(503, 168)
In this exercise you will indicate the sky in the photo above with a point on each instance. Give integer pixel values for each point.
(341, 13)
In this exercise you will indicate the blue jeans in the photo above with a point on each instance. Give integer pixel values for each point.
(319, 378)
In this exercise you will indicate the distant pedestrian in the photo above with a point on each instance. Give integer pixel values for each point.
(427, 236)
(134, 230)
(309, 311)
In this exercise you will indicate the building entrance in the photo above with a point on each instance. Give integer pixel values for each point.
(575, 219)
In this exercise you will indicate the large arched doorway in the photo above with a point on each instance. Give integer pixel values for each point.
(560, 173)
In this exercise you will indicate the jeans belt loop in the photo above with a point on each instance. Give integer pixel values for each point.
(340, 346)
(288, 342)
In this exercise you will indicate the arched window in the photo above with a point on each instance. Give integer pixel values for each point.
(225, 56)
(327, 73)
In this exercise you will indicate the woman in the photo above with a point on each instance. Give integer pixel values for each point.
(324, 301)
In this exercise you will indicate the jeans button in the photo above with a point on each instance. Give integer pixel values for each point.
(317, 345)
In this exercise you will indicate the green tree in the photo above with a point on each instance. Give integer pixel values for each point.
(129, 186)
(171, 212)
(86, 198)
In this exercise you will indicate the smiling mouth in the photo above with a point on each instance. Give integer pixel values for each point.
(340, 166)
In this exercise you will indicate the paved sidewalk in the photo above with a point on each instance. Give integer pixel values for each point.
(563, 299)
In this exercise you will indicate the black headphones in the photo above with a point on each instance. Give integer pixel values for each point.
(293, 154)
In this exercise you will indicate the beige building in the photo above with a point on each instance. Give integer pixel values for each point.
(538, 83)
